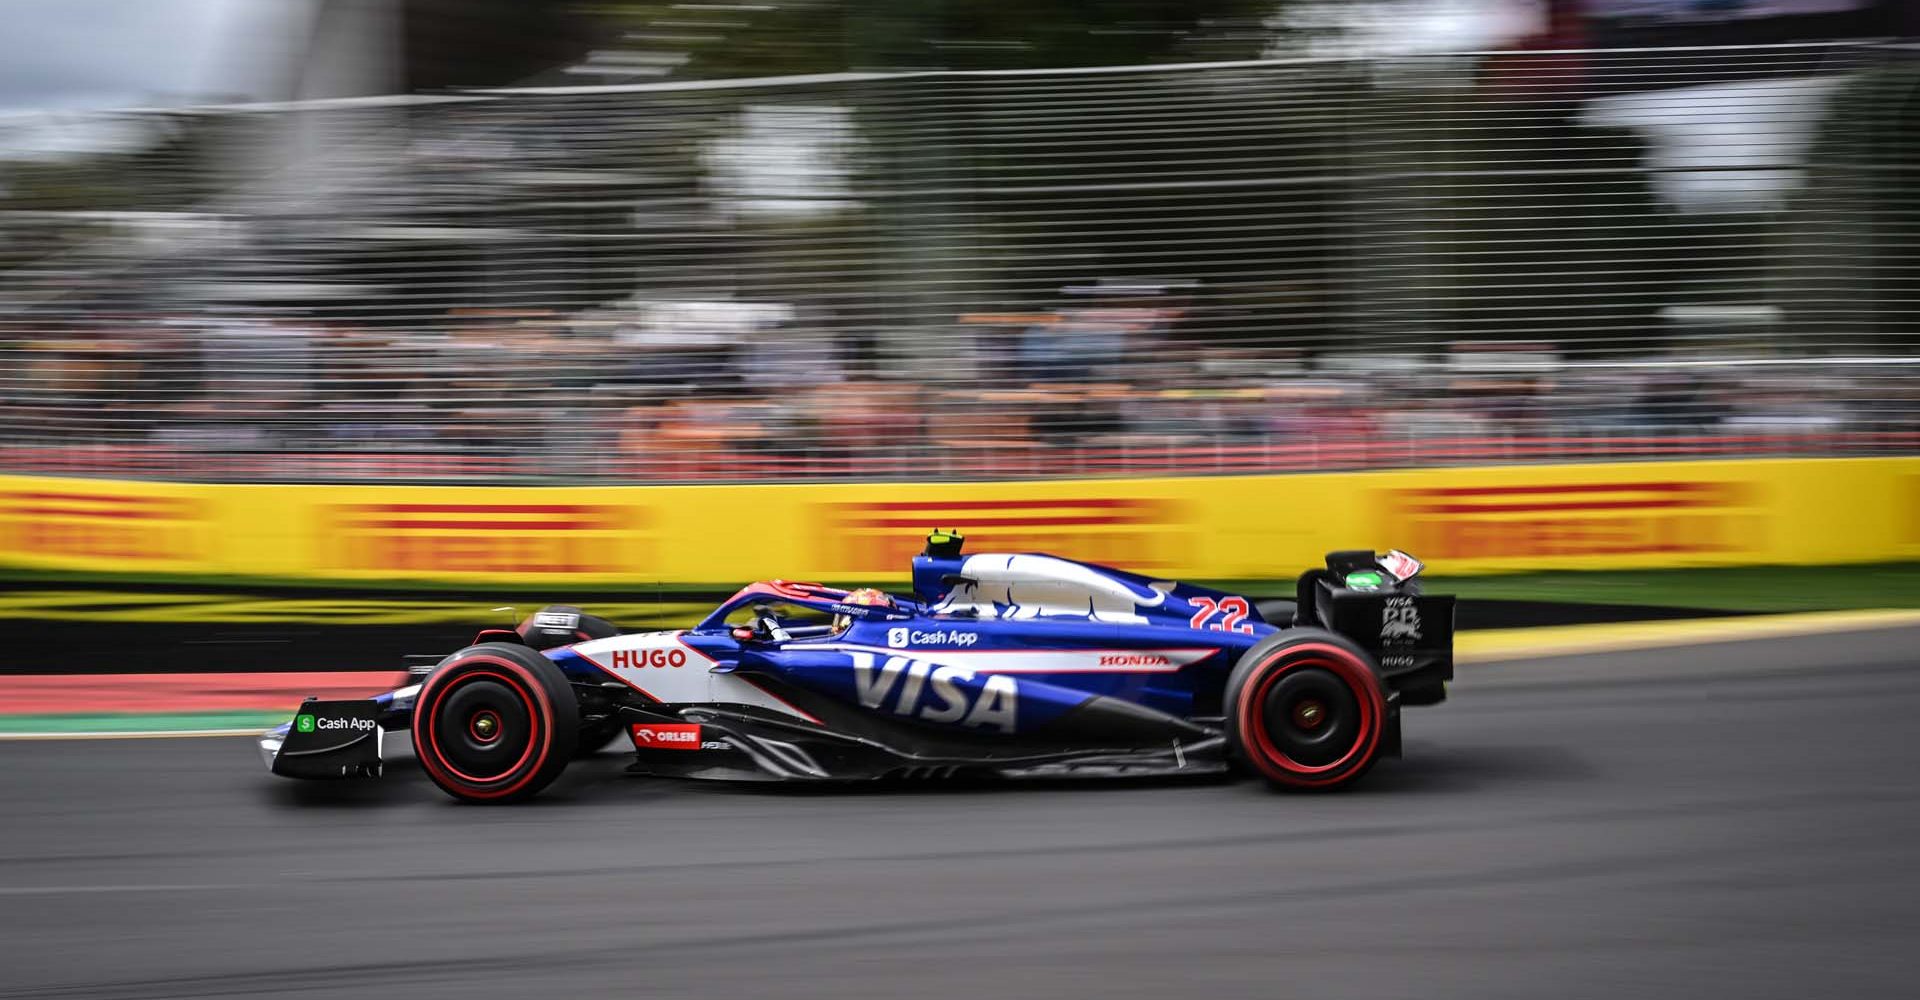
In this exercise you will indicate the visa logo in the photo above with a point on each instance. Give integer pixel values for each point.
(927, 691)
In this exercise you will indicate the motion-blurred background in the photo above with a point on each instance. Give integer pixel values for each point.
(335, 293)
(415, 240)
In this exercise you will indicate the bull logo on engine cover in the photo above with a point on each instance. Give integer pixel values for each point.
(1400, 621)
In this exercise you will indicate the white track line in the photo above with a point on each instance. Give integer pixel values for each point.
(1498, 645)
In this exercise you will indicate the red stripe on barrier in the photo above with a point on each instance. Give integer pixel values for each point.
(1542, 508)
(1506, 491)
(110, 514)
(110, 500)
(997, 522)
(484, 525)
(1064, 503)
(476, 508)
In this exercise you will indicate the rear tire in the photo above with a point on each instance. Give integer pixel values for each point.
(494, 723)
(1306, 709)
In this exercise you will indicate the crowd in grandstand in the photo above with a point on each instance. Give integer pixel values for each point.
(567, 395)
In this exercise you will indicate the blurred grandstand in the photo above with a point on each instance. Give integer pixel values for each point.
(1208, 268)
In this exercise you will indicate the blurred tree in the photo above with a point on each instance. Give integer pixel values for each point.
(1852, 273)
(469, 43)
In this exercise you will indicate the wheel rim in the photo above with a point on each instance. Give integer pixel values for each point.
(1313, 713)
(1311, 717)
(482, 727)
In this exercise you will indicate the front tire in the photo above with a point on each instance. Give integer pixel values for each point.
(495, 722)
(1306, 710)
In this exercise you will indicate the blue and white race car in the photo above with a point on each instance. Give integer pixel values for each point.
(1011, 664)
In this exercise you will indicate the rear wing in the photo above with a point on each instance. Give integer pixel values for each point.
(1375, 600)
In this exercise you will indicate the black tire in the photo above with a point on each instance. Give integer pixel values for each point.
(1307, 710)
(495, 723)
(553, 633)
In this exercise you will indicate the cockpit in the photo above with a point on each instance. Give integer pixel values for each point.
(783, 611)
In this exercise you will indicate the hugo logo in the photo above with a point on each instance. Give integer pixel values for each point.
(649, 658)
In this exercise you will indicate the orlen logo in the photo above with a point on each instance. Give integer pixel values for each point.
(1576, 519)
(636, 658)
(666, 735)
(1136, 532)
(1134, 660)
(483, 538)
(145, 529)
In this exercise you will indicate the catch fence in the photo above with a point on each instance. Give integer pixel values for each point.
(1222, 268)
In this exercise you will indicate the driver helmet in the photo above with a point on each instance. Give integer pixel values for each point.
(866, 596)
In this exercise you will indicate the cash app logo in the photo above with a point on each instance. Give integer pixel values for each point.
(303, 723)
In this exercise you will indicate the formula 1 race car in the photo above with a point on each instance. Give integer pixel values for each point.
(1018, 665)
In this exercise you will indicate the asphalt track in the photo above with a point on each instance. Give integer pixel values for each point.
(1738, 820)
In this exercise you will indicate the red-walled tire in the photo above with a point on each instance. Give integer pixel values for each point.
(1306, 710)
(495, 722)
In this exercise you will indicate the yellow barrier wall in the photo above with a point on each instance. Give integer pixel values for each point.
(1485, 520)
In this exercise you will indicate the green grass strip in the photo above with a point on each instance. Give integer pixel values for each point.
(119, 722)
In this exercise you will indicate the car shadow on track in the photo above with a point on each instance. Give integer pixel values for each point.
(584, 782)
(402, 782)
(1452, 769)
(603, 778)
(1434, 769)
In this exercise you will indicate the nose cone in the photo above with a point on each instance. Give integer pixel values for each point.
(271, 741)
